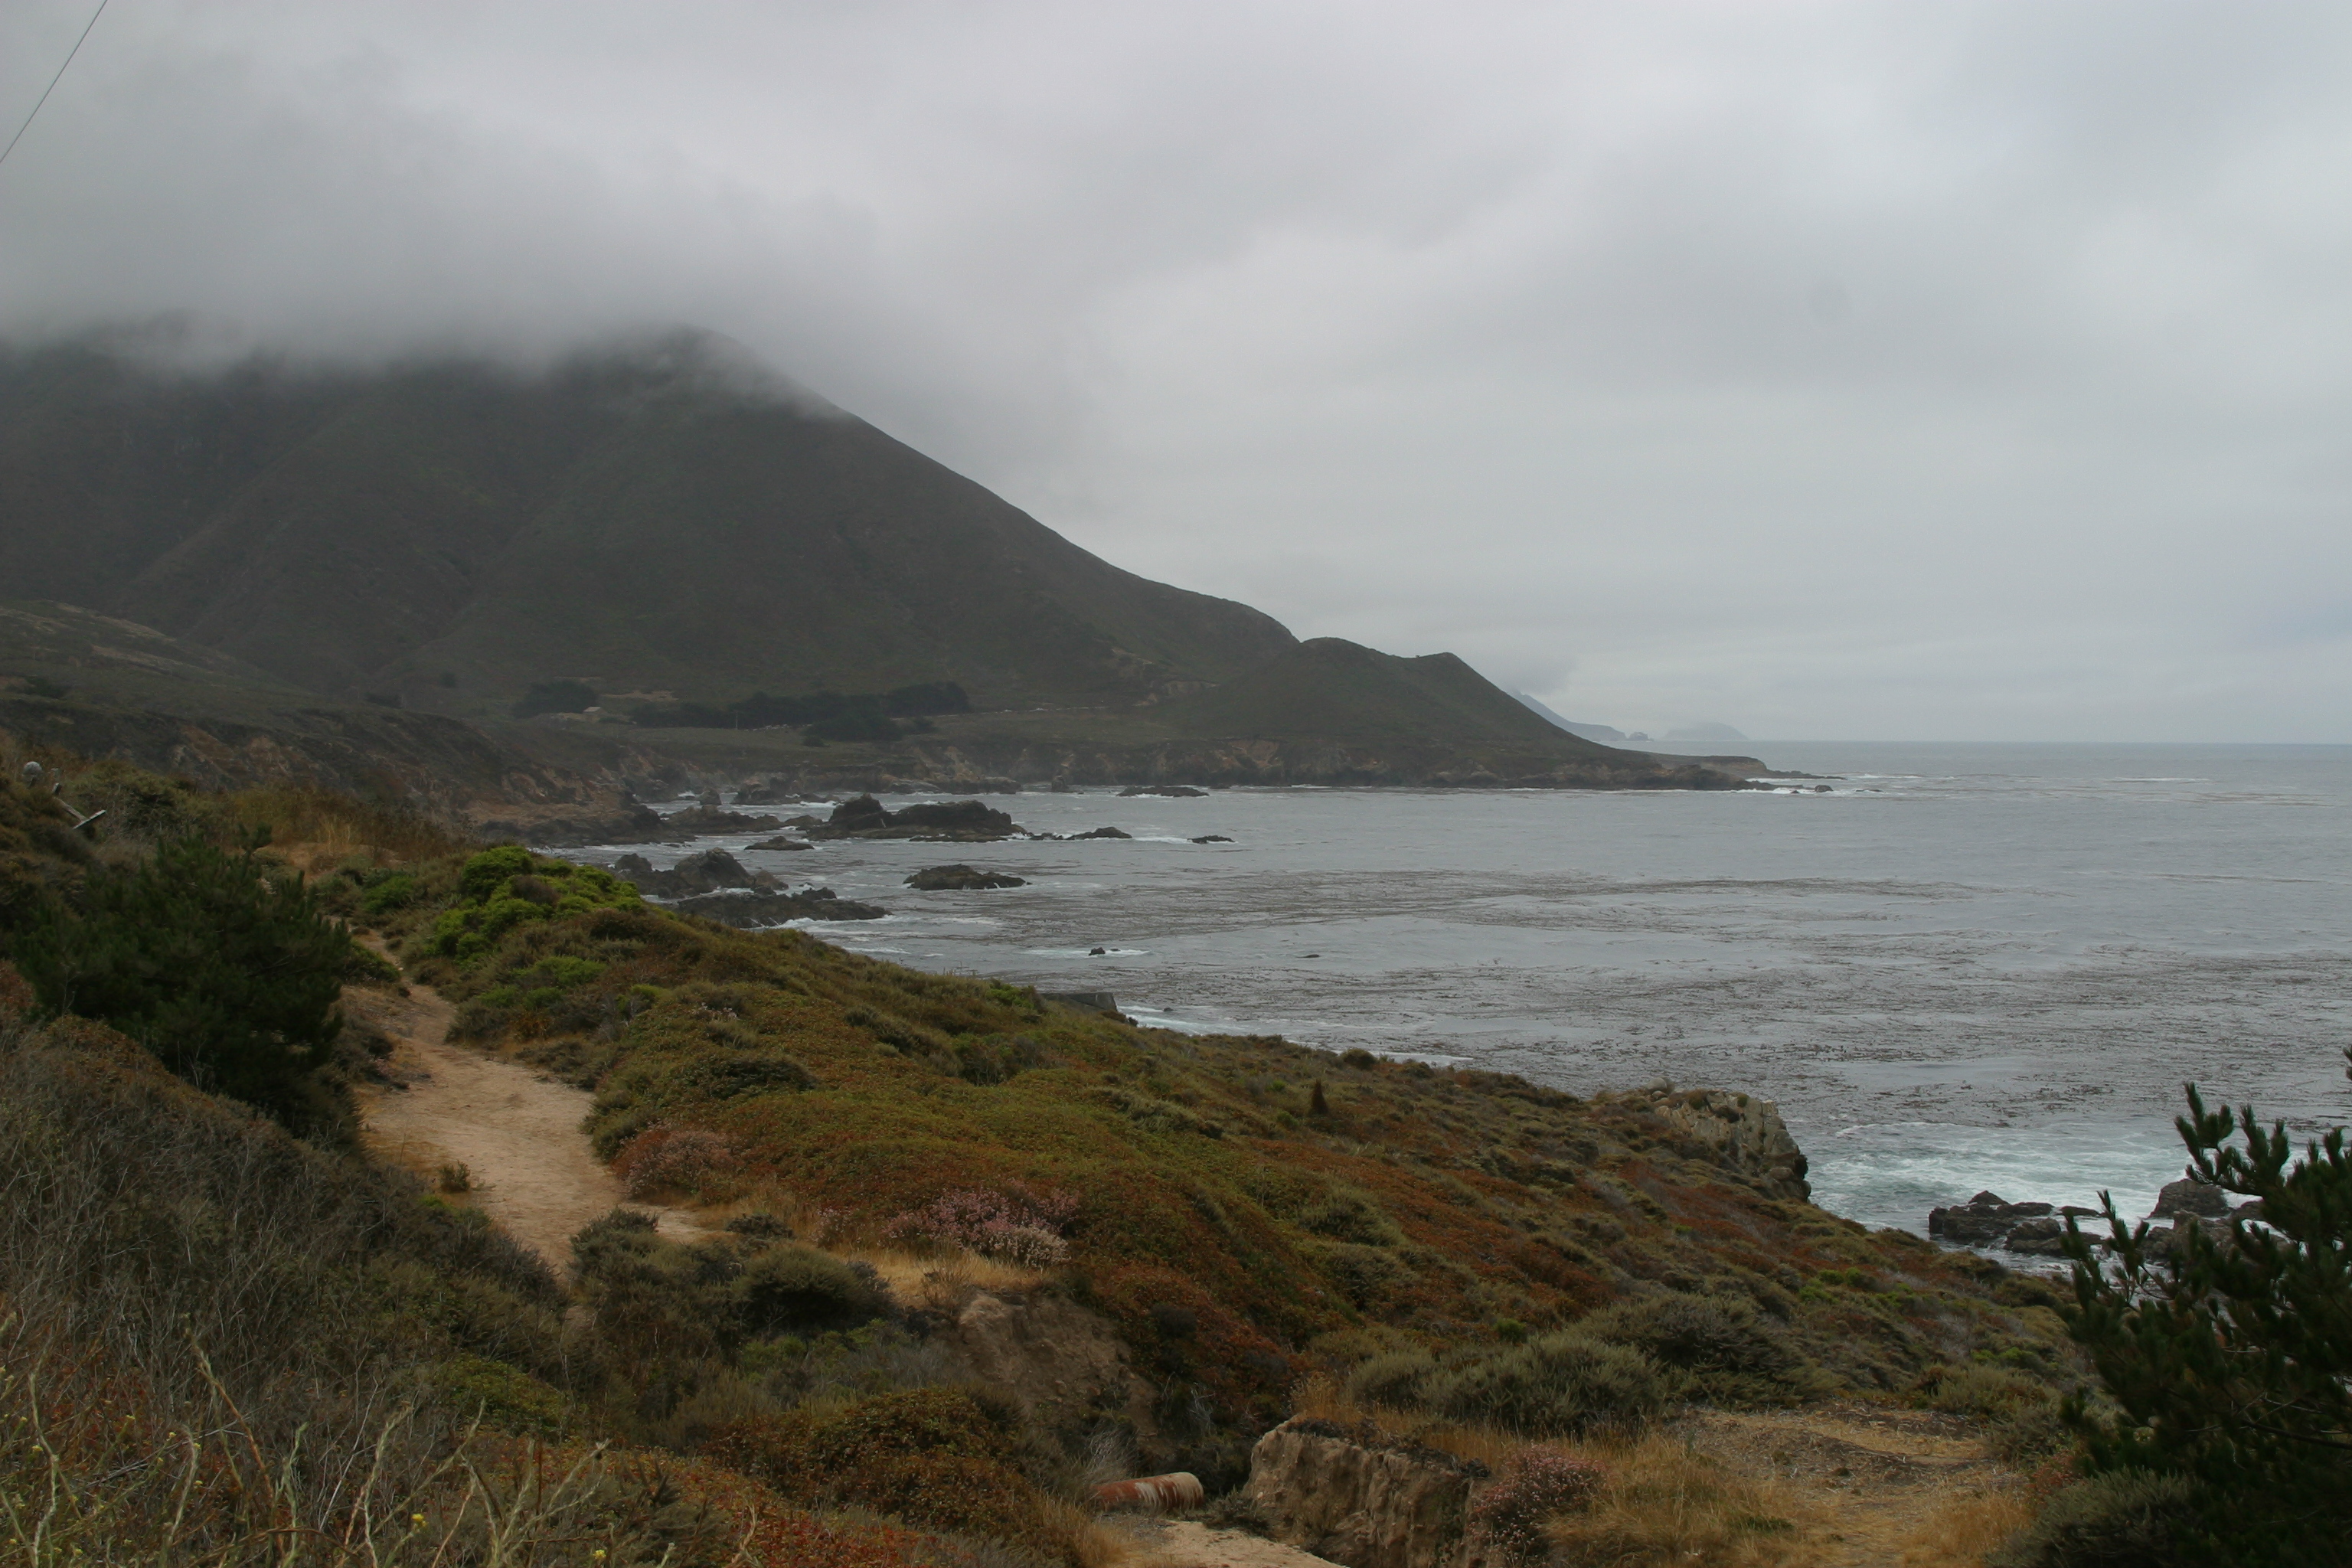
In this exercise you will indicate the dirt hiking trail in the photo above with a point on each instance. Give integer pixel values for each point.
(517, 1131)
(1880, 1487)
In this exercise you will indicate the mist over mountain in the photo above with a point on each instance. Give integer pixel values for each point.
(667, 527)
(648, 518)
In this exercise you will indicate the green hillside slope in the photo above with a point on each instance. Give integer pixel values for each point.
(659, 519)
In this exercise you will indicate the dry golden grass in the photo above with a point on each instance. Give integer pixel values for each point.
(1093, 1544)
(1964, 1527)
(941, 1280)
(319, 829)
(1323, 1399)
(1665, 1502)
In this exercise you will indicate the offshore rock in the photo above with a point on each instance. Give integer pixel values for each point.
(750, 912)
(1354, 1498)
(1745, 1134)
(961, 878)
(954, 821)
(707, 872)
(1171, 792)
(2191, 1197)
(1986, 1218)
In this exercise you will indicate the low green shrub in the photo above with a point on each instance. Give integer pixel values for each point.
(382, 894)
(1724, 1350)
(1401, 1379)
(1561, 1385)
(504, 887)
(505, 1397)
(228, 973)
(2125, 1519)
(791, 1289)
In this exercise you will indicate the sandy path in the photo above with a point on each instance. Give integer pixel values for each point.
(1188, 1543)
(517, 1131)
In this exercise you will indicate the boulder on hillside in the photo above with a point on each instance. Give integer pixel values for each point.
(766, 792)
(961, 878)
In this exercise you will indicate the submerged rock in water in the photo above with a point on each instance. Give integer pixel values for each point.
(781, 843)
(1170, 792)
(961, 878)
(748, 911)
(1212, 838)
(701, 819)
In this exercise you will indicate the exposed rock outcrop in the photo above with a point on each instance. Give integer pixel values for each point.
(1744, 1133)
(1172, 792)
(1357, 1499)
(1062, 1362)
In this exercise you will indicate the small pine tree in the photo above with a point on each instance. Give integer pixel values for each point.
(227, 973)
(2231, 1362)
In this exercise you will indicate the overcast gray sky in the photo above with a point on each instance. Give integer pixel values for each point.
(1901, 370)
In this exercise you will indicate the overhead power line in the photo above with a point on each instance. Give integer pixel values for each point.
(94, 16)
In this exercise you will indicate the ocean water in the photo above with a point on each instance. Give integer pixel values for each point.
(1958, 967)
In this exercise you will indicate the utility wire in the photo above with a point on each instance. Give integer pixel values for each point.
(94, 16)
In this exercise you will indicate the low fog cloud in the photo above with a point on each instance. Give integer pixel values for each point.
(1833, 370)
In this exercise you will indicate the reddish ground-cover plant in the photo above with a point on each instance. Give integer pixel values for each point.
(1541, 1484)
(666, 1157)
(1017, 1225)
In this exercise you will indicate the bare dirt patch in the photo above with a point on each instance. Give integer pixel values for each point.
(516, 1131)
